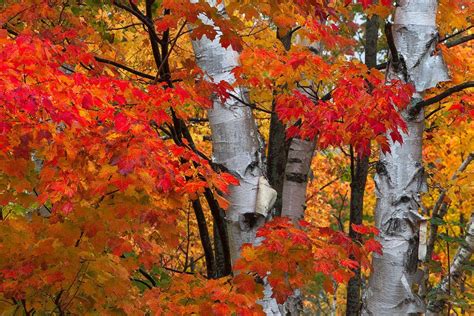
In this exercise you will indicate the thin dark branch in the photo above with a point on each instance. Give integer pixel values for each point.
(139, 15)
(381, 66)
(391, 43)
(441, 207)
(198, 120)
(205, 238)
(433, 112)
(123, 27)
(147, 276)
(118, 65)
(456, 33)
(147, 20)
(142, 282)
(250, 105)
(177, 271)
(460, 40)
(417, 107)
(449, 44)
(218, 216)
(168, 53)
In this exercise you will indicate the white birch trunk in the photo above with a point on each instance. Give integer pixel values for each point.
(400, 174)
(238, 146)
(297, 170)
(235, 138)
(462, 257)
(295, 182)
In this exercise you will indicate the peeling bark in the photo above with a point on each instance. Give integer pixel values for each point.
(462, 257)
(238, 146)
(236, 141)
(400, 175)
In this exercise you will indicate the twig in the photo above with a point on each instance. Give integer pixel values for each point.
(417, 107)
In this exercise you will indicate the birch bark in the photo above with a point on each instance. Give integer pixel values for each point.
(236, 142)
(400, 174)
(295, 182)
(238, 146)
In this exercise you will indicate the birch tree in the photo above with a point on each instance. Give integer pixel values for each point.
(238, 146)
(236, 141)
(399, 174)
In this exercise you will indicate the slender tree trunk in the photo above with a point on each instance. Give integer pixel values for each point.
(400, 174)
(297, 169)
(462, 257)
(278, 145)
(359, 173)
(235, 138)
(277, 157)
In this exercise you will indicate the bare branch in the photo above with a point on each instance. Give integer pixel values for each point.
(417, 108)
(456, 33)
(441, 207)
(460, 40)
(250, 105)
(118, 65)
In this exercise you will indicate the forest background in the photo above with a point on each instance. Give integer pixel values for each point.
(180, 157)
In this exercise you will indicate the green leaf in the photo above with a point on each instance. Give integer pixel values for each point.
(437, 221)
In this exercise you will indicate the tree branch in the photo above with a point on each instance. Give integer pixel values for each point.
(147, 276)
(460, 40)
(417, 107)
(147, 20)
(455, 33)
(205, 238)
(250, 105)
(118, 65)
(441, 207)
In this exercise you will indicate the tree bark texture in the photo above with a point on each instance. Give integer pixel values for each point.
(238, 146)
(236, 142)
(277, 157)
(278, 145)
(297, 169)
(399, 174)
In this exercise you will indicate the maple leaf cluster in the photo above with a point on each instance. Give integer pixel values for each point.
(358, 106)
(288, 256)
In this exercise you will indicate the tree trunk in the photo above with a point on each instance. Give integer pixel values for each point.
(295, 182)
(359, 173)
(462, 257)
(235, 138)
(277, 156)
(400, 174)
(278, 145)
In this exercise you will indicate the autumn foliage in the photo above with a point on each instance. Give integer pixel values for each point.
(97, 180)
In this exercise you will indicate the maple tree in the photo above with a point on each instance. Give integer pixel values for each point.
(113, 199)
